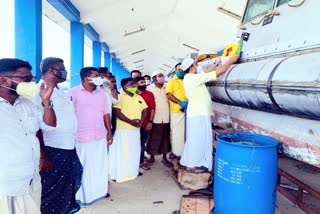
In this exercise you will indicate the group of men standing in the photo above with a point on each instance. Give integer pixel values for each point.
(67, 139)
(61, 137)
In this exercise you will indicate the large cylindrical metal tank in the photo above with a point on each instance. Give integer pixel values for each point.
(288, 85)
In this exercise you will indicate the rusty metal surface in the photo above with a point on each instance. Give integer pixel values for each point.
(299, 137)
(298, 199)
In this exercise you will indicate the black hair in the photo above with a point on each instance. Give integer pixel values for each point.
(135, 71)
(103, 70)
(125, 81)
(48, 62)
(177, 65)
(137, 79)
(11, 65)
(147, 76)
(86, 72)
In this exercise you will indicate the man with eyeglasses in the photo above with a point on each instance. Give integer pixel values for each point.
(60, 167)
(20, 186)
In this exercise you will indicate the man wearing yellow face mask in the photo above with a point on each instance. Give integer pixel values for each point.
(125, 151)
(20, 187)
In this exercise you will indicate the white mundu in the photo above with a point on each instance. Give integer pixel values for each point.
(93, 156)
(198, 148)
(20, 187)
(125, 155)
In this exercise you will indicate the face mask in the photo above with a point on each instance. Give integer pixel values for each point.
(24, 89)
(105, 82)
(160, 80)
(62, 74)
(199, 69)
(132, 90)
(27, 89)
(180, 74)
(142, 87)
(96, 80)
(148, 82)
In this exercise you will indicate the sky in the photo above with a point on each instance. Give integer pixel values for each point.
(55, 40)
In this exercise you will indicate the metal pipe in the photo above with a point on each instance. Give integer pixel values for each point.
(285, 86)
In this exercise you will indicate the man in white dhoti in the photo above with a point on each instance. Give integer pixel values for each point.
(93, 134)
(125, 150)
(20, 187)
(197, 152)
(178, 104)
(108, 87)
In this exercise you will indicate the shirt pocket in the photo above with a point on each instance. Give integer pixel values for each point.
(31, 123)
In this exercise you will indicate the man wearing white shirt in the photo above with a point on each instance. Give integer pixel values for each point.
(60, 166)
(20, 187)
(197, 153)
(108, 87)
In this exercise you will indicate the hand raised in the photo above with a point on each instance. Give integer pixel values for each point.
(46, 90)
(234, 58)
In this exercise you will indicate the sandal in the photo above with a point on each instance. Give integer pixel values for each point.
(145, 166)
(197, 169)
(167, 163)
(172, 156)
(150, 162)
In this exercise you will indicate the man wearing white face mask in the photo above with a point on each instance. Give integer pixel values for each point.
(197, 153)
(20, 187)
(147, 78)
(111, 92)
(60, 167)
(93, 134)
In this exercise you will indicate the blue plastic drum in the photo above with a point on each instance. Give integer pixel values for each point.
(245, 174)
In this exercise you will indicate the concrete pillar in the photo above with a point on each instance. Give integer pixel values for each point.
(77, 52)
(28, 33)
(107, 60)
(96, 54)
(115, 71)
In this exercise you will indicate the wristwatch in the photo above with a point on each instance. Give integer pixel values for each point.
(48, 107)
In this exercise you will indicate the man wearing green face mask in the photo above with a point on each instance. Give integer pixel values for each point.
(124, 153)
(178, 105)
(20, 186)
